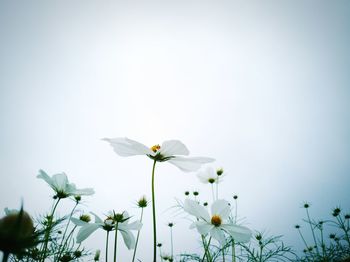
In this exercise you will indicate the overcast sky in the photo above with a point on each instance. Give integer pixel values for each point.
(262, 86)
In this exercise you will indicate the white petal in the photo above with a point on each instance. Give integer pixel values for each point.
(97, 218)
(222, 208)
(84, 192)
(204, 227)
(206, 174)
(60, 182)
(128, 238)
(126, 147)
(193, 208)
(86, 231)
(173, 148)
(218, 235)
(78, 222)
(190, 164)
(43, 175)
(136, 225)
(240, 234)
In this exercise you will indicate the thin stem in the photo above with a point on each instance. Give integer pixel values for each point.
(217, 187)
(212, 192)
(65, 231)
(171, 241)
(302, 237)
(68, 239)
(49, 225)
(236, 204)
(107, 246)
(115, 242)
(312, 231)
(137, 238)
(5, 256)
(154, 216)
(233, 251)
(223, 255)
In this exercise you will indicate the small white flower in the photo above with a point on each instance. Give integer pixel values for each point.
(171, 151)
(218, 223)
(208, 175)
(108, 224)
(59, 183)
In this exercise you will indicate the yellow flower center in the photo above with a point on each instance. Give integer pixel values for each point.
(216, 220)
(155, 148)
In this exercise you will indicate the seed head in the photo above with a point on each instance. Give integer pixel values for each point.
(142, 203)
(219, 171)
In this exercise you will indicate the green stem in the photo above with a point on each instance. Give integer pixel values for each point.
(302, 237)
(5, 256)
(47, 233)
(107, 246)
(172, 243)
(217, 188)
(154, 216)
(65, 232)
(137, 238)
(206, 249)
(233, 251)
(312, 231)
(115, 242)
(212, 192)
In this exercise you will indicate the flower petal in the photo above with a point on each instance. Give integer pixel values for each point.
(194, 209)
(136, 225)
(240, 234)
(128, 238)
(60, 182)
(204, 227)
(86, 231)
(206, 174)
(84, 192)
(173, 148)
(97, 218)
(126, 147)
(222, 208)
(218, 235)
(190, 164)
(43, 175)
(78, 222)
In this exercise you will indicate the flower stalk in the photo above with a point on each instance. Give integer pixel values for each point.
(154, 215)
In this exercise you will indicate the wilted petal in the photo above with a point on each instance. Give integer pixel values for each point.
(126, 147)
(173, 148)
(218, 235)
(240, 234)
(193, 208)
(190, 164)
(204, 227)
(128, 238)
(222, 208)
(86, 230)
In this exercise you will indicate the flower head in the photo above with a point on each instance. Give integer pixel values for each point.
(172, 151)
(124, 227)
(217, 224)
(59, 183)
(208, 175)
(16, 231)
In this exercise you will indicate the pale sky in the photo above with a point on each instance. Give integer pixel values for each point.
(261, 86)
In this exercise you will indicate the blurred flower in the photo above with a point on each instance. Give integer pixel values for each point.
(218, 223)
(59, 183)
(108, 224)
(16, 231)
(168, 151)
(208, 175)
(97, 255)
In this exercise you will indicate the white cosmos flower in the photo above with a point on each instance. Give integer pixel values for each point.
(208, 175)
(108, 224)
(218, 223)
(172, 151)
(59, 183)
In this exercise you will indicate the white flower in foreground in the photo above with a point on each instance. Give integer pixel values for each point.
(59, 183)
(171, 151)
(208, 175)
(108, 224)
(218, 223)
